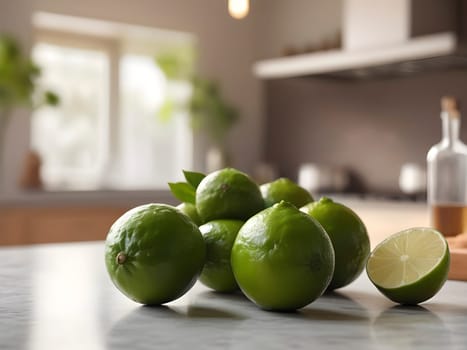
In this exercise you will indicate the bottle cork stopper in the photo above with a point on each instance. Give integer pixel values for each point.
(449, 105)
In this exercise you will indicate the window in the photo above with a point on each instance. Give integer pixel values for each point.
(107, 131)
(153, 150)
(71, 138)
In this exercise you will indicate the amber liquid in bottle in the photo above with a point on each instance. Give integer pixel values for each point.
(447, 175)
(449, 219)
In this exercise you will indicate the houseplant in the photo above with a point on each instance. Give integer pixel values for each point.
(18, 85)
(209, 111)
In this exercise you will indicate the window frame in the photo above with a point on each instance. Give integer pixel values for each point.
(109, 129)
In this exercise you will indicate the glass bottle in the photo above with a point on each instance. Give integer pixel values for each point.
(447, 175)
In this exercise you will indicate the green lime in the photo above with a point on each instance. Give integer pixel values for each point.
(287, 190)
(228, 194)
(282, 258)
(410, 266)
(190, 210)
(154, 253)
(219, 236)
(349, 238)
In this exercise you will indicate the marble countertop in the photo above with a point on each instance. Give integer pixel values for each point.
(60, 297)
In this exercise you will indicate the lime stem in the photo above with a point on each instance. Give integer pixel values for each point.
(121, 258)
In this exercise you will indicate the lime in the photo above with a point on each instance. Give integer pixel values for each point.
(282, 258)
(228, 194)
(154, 253)
(349, 238)
(410, 266)
(287, 190)
(219, 236)
(190, 210)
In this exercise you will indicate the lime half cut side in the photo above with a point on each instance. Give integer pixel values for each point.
(410, 266)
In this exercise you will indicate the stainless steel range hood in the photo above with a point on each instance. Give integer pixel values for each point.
(385, 38)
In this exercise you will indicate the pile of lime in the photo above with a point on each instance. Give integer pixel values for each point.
(274, 243)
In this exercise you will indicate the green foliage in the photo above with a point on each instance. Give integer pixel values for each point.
(177, 62)
(193, 178)
(183, 192)
(167, 109)
(51, 98)
(186, 191)
(18, 75)
(208, 109)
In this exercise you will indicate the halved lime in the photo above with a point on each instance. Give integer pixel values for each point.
(410, 266)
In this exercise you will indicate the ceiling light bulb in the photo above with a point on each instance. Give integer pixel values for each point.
(238, 9)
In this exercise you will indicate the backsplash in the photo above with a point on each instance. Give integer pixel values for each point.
(371, 128)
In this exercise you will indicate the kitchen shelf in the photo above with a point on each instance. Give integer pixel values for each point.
(438, 51)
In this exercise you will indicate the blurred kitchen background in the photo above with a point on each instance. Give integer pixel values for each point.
(341, 95)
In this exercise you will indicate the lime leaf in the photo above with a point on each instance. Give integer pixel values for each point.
(193, 178)
(183, 191)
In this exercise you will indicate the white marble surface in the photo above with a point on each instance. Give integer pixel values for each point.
(60, 297)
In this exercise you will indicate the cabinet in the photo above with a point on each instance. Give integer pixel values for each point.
(31, 225)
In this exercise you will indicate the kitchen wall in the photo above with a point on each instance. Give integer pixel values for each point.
(15, 18)
(371, 128)
(294, 24)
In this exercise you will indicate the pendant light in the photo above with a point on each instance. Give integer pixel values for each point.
(239, 9)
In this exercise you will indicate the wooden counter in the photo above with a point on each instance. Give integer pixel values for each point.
(20, 226)
(46, 217)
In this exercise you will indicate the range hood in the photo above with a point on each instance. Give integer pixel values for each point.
(385, 38)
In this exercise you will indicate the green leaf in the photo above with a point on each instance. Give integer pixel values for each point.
(51, 98)
(193, 178)
(166, 111)
(18, 78)
(183, 192)
(176, 62)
